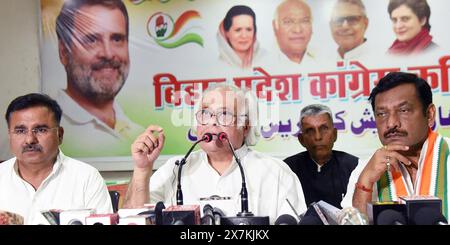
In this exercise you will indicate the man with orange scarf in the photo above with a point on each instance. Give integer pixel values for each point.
(413, 159)
(410, 22)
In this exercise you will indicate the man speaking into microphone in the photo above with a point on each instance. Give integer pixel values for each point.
(213, 170)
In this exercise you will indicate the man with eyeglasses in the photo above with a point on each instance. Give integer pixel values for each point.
(40, 177)
(292, 25)
(213, 170)
(348, 25)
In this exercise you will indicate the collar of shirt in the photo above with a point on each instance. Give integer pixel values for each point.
(56, 167)
(78, 114)
(355, 54)
(319, 167)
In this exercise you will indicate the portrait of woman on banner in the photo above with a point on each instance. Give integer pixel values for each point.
(410, 23)
(236, 37)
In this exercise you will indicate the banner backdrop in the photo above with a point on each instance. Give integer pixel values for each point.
(178, 48)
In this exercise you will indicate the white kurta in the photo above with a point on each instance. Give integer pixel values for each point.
(270, 182)
(71, 185)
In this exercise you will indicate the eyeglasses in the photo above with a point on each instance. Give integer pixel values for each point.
(38, 132)
(351, 20)
(289, 22)
(223, 117)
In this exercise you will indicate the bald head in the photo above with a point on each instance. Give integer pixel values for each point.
(292, 26)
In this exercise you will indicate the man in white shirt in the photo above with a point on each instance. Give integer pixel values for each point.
(213, 170)
(348, 25)
(40, 177)
(93, 48)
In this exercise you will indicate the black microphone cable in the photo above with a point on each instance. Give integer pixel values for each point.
(207, 137)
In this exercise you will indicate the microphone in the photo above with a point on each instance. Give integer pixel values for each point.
(346, 216)
(352, 216)
(375, 209)
(391, 217)
(218, 214)
(181, 215)
(207, 137)
(429, 216)
(208, 215)
(313, 216)
(244, 194)
(286, 219)
(10, 218)
(244, 217)
(417, 203)
(159, 207)
(75, 216)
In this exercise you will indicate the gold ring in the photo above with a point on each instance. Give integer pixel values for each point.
(388, 163)
(385, 147)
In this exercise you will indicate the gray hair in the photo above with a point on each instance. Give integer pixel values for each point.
(246, 105)
(358, 3)
(314, 110)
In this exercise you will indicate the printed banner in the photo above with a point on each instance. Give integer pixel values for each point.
(116, 70)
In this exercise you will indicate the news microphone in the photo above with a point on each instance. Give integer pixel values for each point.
(75, 216)
(375, 209)
(429, 216)
(181, 215)
(244, 194)
(313, 216)
(207, 137)
(208, 215)
(391, 217)
(417, 202)
(159, 207)
(10, 218)
(286, 219)
(352, 216)
(218, 214)
(346, 216)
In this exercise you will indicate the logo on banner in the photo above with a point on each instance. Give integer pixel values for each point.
(168, 34)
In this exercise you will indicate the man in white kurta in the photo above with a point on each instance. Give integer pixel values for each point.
(270, 183)
(71, 185)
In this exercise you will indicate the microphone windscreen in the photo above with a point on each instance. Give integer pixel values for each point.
(428, 216)
(207, 137)
(286, 219)
(391, 217)
(159, 207)
(223, 136)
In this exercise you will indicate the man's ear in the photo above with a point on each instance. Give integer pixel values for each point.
(63, 53)
(431, 115)
(60, 134)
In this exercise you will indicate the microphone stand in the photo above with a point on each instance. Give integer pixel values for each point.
(206, 137)
(244, 194)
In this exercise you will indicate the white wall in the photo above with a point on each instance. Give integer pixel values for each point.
(19, 56)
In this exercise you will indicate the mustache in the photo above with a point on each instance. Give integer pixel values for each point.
(395, 131)
(106, 64)
(31, 147)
